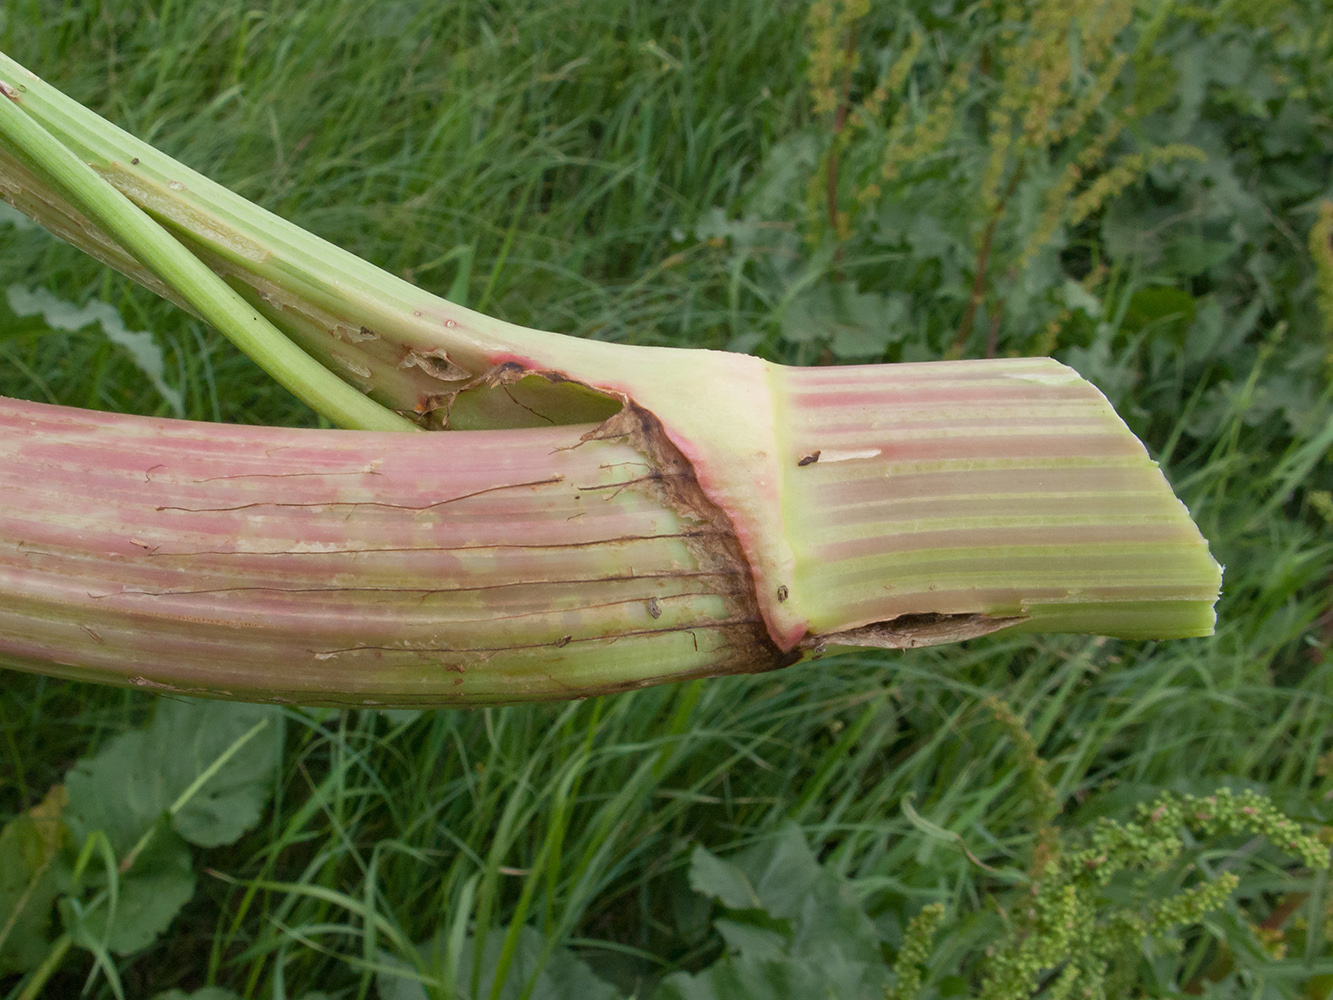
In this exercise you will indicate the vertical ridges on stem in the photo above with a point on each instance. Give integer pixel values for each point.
(372, 568)
(1007, 488)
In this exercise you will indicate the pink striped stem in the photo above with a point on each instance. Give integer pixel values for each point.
(674, 513)
(355, 567)
(490, 566)
(1001, 487)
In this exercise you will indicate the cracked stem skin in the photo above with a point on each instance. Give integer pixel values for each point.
(1049, 510)
(292, 272)
(476, 567)
(481, 567)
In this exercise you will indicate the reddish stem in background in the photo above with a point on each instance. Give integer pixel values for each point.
(993, 335)
(840, 122)
(1324, 628)
(978, 286)
(1283, 912)
(983, 261)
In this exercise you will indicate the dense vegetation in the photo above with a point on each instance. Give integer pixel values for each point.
(1139, 190)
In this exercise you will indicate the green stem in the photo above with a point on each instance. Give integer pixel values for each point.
(213, 299)
(47, 969)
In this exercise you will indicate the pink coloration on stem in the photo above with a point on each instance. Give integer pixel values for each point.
(996, 487)
(334, 565)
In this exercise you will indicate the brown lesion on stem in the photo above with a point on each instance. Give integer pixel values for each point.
(436, 363)
(672, 481)
(509, 396)
(915, 631)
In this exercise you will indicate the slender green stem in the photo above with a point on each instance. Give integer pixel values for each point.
(47, 969)
(173, 264)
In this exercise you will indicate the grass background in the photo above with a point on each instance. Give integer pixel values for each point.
(640, 172)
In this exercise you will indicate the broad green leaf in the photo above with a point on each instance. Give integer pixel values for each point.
(1191, 253)
(776, 875)
(930, 239)
(232, 800)
(204, 993)
(1133, 226)
(29, 882)
(726, 883)
(812, 938)
(148, 897)
(1216, 333)
(715, 226)
(855, 324)
(790, 978)
(753, 941)
(1290, 131)
(783, 177)
(141, 774)
(1078, 297)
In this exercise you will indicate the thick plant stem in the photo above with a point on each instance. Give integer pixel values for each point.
(367, 568)
(895, 505)
(920, 504)
(1003, 488)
